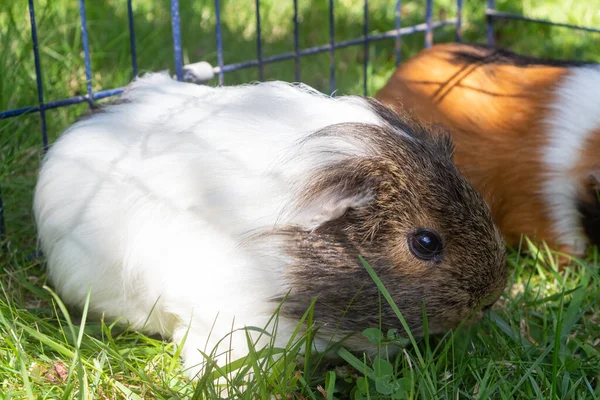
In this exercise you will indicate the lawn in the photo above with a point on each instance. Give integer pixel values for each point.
(542, 339)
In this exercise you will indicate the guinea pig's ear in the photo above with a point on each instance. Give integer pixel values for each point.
(333, 192)
(407, 122)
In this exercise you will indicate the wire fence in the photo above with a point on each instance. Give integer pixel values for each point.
(184, 72)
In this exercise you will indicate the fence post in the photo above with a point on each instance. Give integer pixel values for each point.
(459, 7)
(219, 42)
(366, 46)
(490, 22)
(259, 43)
(398, 25)
(86, 54)
(296, 43)
(132, 38)
(428, 20)
(331, 49)
(176, 26)
(38, 75)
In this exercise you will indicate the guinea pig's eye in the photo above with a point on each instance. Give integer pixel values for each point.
(425, 244)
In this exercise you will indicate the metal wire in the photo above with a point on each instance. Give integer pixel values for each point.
(134, 67)
(86, 54)
(219, 43)
(331, 49)
(259, 43)
(398, 33)
(176, 26)
(429, 22)
(366, 47)
(459, 9)
(38, 76)
(490, 22)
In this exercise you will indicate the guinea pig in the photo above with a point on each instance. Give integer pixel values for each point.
(191, 211)
(526, 131)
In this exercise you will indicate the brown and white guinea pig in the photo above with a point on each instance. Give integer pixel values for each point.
(526, 131)
(187, 206)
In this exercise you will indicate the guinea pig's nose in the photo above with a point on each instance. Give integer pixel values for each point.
(487, 308)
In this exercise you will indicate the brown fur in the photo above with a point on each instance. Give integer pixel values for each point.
(413, 184)
(494, 103)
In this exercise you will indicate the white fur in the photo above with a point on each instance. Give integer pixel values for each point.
(574, 117)
(151, 202)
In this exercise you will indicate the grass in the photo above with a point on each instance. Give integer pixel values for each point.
(541, 340)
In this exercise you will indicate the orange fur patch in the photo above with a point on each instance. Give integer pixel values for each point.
(495, 112)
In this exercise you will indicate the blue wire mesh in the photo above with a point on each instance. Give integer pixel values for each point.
(177, 39)
(259, 43)
(366, 46)
(134, 67)
(86, 54)
(331, 49)
(490, 22)
(397, 14)
(428, 28)
(220, 43)
(428, 21)
(38, 76)
(296, 43)
(459, 7)
(494, 14)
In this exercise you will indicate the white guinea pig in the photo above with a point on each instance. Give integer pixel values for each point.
(191, 207)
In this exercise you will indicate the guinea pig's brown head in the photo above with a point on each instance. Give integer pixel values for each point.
(403, 205)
